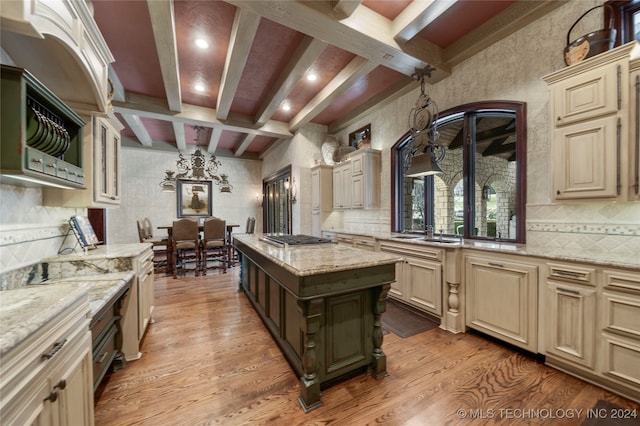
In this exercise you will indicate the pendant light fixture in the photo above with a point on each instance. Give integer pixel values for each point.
(426, 152)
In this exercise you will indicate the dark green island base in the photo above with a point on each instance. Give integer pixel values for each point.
(322, 310)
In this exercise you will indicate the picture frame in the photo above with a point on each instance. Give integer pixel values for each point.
(361, 138)
(194, 198)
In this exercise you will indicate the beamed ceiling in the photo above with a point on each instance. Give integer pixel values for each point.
(260, 53)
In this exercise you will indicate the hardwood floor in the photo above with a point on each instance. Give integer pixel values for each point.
(208, 360)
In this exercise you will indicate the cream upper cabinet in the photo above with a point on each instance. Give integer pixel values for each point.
(365, 179)
(321, 196)
(342, 186)
(102, 164)
(634, 129)
(569, 313)
(590, 106)
(501, 298)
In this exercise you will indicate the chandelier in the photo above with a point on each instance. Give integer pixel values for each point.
(198, 167)
(426, 153)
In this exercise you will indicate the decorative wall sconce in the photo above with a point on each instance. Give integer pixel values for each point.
(196, 168)
(259, 198)
(293, 191)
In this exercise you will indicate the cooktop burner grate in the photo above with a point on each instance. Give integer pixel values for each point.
(294, 240)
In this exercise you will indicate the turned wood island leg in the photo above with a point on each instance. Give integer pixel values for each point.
(311, 311)
(379, 361)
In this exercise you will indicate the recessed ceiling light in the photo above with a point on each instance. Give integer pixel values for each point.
(312, 76)
(286, 106)
(199, 87)
(201, 43)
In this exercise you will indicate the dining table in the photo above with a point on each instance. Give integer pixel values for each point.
(169, 229)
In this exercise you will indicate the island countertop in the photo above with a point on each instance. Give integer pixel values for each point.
(316, 259)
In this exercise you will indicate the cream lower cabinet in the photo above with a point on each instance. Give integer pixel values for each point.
(50, 381)
(634, 128)
(620, 332)
(419, 277)
(502, 298)
(138, 305)
(570, 314)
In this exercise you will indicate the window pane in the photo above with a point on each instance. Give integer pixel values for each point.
(494, 175)
(447, 208)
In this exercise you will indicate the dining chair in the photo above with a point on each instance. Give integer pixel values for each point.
(185, 246)
(160, 245)
(214, 245)
(249, 229)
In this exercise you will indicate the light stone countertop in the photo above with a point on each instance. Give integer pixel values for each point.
(628, 260)
(109, 251)
(25, 309)
(315, 259)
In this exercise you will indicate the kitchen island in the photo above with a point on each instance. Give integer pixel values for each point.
(322, 304)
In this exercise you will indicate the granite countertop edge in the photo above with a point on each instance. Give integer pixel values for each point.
(23, 311)
(605, 259)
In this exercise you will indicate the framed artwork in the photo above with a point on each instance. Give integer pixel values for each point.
(194, 198)
(361, 138)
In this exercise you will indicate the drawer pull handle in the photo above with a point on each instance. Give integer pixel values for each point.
(62, 384)
(150, 272)
(568, 290)
(497, 265)
(51, 165)
(37, 160)
(569, 274)
(104, 355)
(53, 396)
(54, 350)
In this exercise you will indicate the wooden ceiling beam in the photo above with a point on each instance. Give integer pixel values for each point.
(355, 69)
(178, 131)
(164, 33)
(246, 143)
(416, 16)
(302, 59)
(137, 127)
(245, 26)
(146, 106)
(345, 7)
(216, 132)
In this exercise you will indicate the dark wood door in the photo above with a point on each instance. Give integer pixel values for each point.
(98, 219)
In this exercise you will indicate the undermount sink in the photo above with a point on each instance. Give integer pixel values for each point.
(406, 237)
(439, 240)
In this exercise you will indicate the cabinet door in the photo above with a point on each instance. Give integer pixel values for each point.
(106, 163)
(315, 189)
(76, 395)
(585, 160)
(571, 327)
(634, 139)
(357, 192)
(424, 285)
(145, 294)
(35, 409)
(502, 300)
(593, 93)
(337, 189)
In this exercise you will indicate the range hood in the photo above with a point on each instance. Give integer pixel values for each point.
(41, 137)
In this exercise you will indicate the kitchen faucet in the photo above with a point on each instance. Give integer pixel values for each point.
(428, 231)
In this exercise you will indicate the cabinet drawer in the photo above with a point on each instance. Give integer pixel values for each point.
(621, 281)
(621, 314)
(622, 360)
(103, 355)
(572, 273)
(100, 324)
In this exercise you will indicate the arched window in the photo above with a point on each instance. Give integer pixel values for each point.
(482, 191)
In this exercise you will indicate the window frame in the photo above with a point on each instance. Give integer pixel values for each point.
(397, 177)
(623, 11)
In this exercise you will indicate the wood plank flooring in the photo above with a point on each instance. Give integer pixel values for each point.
(208, 359)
